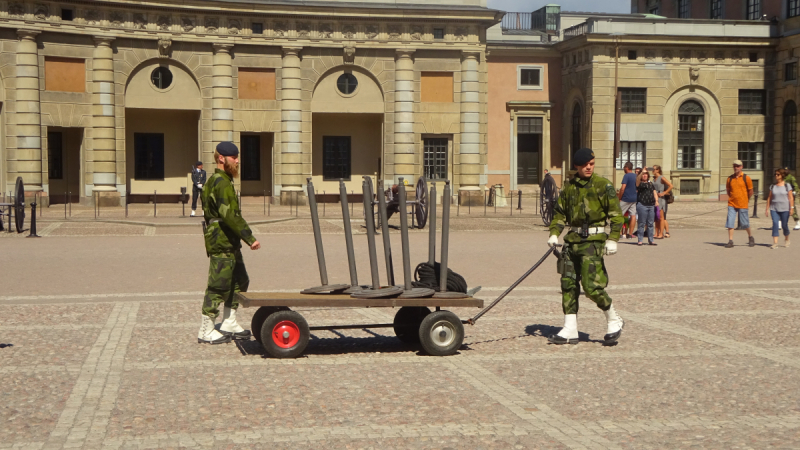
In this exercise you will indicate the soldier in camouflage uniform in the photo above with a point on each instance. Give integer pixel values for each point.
(585, 205)
(792, 181)
(224, 231)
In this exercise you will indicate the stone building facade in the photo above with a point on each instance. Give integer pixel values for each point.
(115, 99)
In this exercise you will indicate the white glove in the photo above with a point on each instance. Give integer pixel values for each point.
(611, 247)
(199, 186)
(553, 241)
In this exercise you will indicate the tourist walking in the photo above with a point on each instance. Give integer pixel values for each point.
(780, 203)
(645, 207)
(664, 189)
(627, 196)
(739, 188)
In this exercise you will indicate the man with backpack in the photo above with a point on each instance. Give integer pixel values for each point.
(740, 188)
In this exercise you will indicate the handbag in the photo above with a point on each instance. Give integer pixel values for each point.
(669, 198)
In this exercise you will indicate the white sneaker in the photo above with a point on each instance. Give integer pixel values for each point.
(615, 324)
(780, 226)
(229, 326)
(209, 335)
(797, 226)
(569, 333)
(192, 214)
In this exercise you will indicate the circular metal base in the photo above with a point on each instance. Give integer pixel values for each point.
(450, 294)
(387, 291)
(354, 289)
(417, 293)
(326, 289)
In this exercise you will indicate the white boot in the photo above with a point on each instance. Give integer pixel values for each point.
(230, 327)
(192, 214)
(208, 335)
(797, 226)
(569, 333)
(615, 324)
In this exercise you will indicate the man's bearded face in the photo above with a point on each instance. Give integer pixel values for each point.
(232, 167)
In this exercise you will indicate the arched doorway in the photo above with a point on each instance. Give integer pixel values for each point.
(691, 120)
(789, 159)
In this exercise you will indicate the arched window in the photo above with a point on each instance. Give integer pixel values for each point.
(790, 136)
(691, 118)
(577, 127)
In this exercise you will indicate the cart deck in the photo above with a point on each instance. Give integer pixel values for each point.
(285, 333)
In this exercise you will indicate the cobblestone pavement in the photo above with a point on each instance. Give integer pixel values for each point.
(99, 351)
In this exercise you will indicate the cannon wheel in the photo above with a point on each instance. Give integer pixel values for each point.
(547, 199)
(421, 206)
(19, 205)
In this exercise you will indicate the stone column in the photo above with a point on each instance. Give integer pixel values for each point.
(26, 160)
(104, 146)
(470, 138)
(404, 142)
(222, 96)
(291, 126)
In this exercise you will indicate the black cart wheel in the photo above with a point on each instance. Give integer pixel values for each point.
(421, 206)
(260, 316)
(407, 322)
(285, 334)
(548, 196)
(441, 333)
(19, 205)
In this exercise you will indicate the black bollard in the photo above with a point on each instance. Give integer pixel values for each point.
(519, 200)
(183, 201)
(755, 206)
(33, 222)
(155, 204)
(265, 202)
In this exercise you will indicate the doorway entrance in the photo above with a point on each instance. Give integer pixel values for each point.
(256, 164)
(529, 146)
(64, 164)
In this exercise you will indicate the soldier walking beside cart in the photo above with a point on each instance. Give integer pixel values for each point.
(224, 230)
(587, 202)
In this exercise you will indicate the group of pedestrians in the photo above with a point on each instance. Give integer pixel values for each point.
(644, 197)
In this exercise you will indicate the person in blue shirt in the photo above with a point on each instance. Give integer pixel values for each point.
(627, 196)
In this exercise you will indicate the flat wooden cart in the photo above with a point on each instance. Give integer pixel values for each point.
(285, 333)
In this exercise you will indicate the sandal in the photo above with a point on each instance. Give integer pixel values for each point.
(666, 235)
(653, 243)
(640, 244)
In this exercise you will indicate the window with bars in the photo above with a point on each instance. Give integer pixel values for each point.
(634, 100)
(716, 9)
(690, 187)
(752, 101)
(633, 152)
(148, 156)
(691, 117)
(435, 158)
(789, 157)
(753, 9)
(793, 8)
(251, 157)
(55, 155)
(336, 157)
(751, 154)
(790, 71)
(683, 9)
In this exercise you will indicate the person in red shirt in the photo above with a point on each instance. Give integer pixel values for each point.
(740, 189)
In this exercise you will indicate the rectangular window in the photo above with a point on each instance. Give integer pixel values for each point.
(793, 8)
(436, 87)
(633, 152)
(336, 157)
(529, 77)
(752, 101)
(251, 157)
(751, 154)
(753, 57)
(257, 28)
(66, 14)
(64, 74)
(55, 155)
(790, 71)
(716, 9)
(256, 84)
(683, 9)
(753, 9)
(655, 11)
(148, 156)
(632, 55)
(438, 33)
(634, 100)
(435, 158)
(690, 156)
(690, 187)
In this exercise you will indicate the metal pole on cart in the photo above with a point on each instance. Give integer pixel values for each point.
(323, 270)
(348, 239)
(432, 227)
(387, 244)
(408, 290)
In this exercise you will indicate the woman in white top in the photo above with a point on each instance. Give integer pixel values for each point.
(779, 206)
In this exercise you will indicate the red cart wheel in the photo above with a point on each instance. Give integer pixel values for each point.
(285, 334)
(260, 316)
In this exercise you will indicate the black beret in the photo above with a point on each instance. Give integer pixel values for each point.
(227, 149)
(198, 163)
(582, 157)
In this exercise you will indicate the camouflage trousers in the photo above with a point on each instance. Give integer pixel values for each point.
(226, 277)
(794, 211)
(583, 265)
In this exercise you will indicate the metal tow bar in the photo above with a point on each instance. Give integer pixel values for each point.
(513, 286)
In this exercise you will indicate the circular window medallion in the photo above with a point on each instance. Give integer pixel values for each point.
(161, 77)
(347, 83)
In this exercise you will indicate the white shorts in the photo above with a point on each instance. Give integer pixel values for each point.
(629, 207)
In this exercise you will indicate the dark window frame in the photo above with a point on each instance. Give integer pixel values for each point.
(790, 70)
(792, 8)
(438, 33)
(337, 165)
(526, 81)
(345, 82)
(55, 155)
(752, 102)
(684, 9)
(634, 100)
(632, 55)
(148, 162)
(67, 14)
(435, 158)
(691, 136)
(251, 158)
(639, 147)
(789, 152)
(715, 9)
(752, 155)
(752, 9)
(257, 28)
(161, 77)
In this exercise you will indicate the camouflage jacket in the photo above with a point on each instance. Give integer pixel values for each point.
(593, 200)
(226, 227)
(792, 182)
